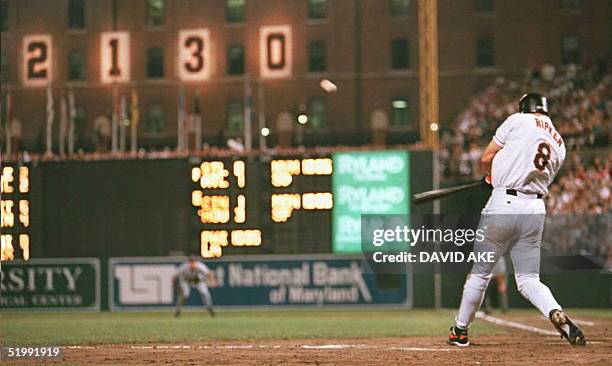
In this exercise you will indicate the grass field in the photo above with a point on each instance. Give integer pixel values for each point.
(97, 328)
(67, 328)
(298, 337)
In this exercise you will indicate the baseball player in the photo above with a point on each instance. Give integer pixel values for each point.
(521, 162)
(193, 273)
(499, 285)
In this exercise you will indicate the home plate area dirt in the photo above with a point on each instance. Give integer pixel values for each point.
(518, 348)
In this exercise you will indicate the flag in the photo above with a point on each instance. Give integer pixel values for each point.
(180, 121)
(261, 111)
(63, 123)
(248, 114)
(197, 102)
(1, 111)
(123, 121)
(197, 119)
(115, 120)
(135, 119)
(50, 118)
(72, 117)
(8, 122)
(9, 109)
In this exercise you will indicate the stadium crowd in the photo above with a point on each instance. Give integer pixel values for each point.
(580, 209)
(581, 109)
(579, 100)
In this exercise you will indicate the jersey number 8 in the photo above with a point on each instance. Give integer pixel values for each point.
(542, 158)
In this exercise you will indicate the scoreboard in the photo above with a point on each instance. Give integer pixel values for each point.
(15, 212)
(241, 203)
(215, 206)
(194, 56)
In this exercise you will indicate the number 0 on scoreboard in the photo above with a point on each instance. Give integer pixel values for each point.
(275, 51)
(115, 53)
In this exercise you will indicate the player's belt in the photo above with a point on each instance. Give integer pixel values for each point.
(514, 192)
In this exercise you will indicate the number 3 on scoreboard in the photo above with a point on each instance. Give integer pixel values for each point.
(194, 54)
(115, 53)
(37, 60)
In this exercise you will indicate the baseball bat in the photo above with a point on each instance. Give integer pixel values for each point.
(435, 194)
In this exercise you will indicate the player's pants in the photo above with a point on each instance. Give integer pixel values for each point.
(516, 224)
(185, 288)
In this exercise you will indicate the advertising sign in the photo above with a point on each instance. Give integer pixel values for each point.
(137, 283)
(373, 182)
(50, 284)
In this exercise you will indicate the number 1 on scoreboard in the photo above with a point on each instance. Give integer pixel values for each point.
(115, 53)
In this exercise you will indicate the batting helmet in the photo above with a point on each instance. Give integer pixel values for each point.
(533, 103)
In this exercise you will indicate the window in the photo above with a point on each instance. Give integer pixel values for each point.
(317, 57)
(235, 10)
(76, 66)
(570, 50)
(235, 60)
(235, 116)
(484, 52)
(399, 7)
(400, 57)
(155, 123)
(76, 14)
(4, 69)
(571, 5)
(155, 62)
(3, 15)
(485, 6)
(317, 113)
(155, 12)
(317, 9)
(399, 112)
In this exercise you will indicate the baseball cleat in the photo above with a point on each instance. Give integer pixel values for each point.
(568, 330)
(458, 337)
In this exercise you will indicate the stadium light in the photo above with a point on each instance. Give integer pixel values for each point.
(400, 104)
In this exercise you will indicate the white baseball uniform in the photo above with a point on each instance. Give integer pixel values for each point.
(188, 277)
(513, 218)
(532, 153)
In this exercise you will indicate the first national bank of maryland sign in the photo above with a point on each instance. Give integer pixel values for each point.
(50, 284)
(141, 283)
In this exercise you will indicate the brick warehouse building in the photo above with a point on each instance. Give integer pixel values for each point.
(368, 48)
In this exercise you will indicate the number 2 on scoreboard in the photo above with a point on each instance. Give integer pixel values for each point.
(37, 60)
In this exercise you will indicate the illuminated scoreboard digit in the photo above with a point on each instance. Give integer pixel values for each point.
(221, 202)
(275, 53)
(15, 213)
(194, 54)
(37, 57)
(282, 173)
(115, 57)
